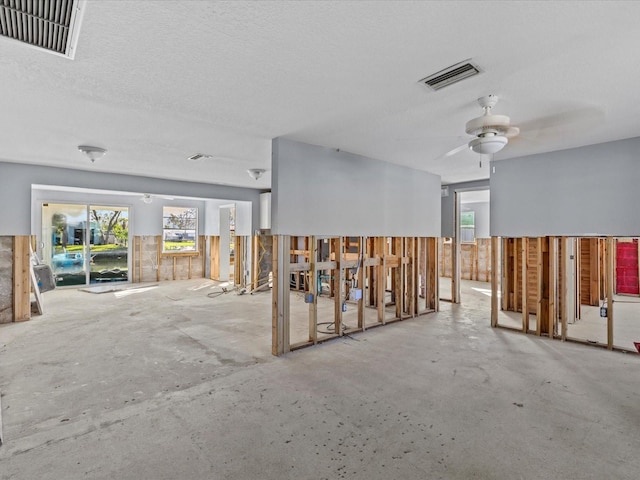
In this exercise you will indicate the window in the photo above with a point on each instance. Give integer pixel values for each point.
(467, 227)
(179, 229)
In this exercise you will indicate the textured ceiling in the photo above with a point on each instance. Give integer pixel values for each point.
(156, 81)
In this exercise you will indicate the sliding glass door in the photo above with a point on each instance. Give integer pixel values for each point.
(86, 243)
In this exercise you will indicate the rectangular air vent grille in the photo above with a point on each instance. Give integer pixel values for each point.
(451, 75)
(51, 25)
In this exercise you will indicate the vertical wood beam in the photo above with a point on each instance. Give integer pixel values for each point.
(313, 290)
(339, 284)
(503, 272)
(594, 279)
(381, 276)
(372, 272)
(564, 287)
(398, 276)
(516, 286)
(432, 273)
(552, 278)
(609, 255)
(159, 255)
(494, 280)
(21, 279)
(280, 295)
(525, 292)
(540, 307)
(362, 248)
(455, 269)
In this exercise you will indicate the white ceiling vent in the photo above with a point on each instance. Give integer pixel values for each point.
(199, 156)
(451, 75)
(51, 25)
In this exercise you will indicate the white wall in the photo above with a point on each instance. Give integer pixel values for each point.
(591, 190)
(321, 191)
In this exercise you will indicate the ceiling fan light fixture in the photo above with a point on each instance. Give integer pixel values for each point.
(93, 153)
(256, 173)
(489, 144)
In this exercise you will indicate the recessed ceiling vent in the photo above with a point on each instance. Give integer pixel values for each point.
(51, 25)
(199, 156)
(451, 75)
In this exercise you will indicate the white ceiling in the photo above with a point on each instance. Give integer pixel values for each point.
(156, 81)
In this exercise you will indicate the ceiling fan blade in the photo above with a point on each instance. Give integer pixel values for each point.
(456, 150)
(563, 122)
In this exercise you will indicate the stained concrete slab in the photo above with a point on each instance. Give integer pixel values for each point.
(168, 383)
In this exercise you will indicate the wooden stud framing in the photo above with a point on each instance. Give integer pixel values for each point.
(381, 278)
(280, 296)
(525, 293)
(495, 245)
(503, 270)
(563, 287)
(339, 284)
(609, 256)
(21, 279)
(313, 290)
(551, 279)
(361, 274)
(540, 280)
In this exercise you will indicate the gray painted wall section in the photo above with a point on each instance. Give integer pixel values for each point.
(16, 180)
(592, 190)
(321, 191)
(448, 212)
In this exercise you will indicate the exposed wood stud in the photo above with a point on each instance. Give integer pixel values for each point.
(313, 290)
(609, 256)
(494, 280)
(339, 284)
(21, 279)
(361, 275)
(525, 277)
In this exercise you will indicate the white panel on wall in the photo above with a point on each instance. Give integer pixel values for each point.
(322, 191)
(265, 211)
(243, 219)
(583, 191)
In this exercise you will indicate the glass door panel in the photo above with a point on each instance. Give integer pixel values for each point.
(108, 244)
(64, 239)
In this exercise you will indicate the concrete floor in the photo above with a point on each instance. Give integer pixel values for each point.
(167, 383)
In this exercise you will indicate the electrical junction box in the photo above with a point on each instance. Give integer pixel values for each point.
(603, 311)
(308, 298)
(355, 294)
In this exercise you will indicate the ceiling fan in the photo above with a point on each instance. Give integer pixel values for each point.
(492, 132)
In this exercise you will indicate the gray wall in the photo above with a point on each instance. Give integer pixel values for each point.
(591, 190)
(321, 191)
(16, 180)
(447, 204)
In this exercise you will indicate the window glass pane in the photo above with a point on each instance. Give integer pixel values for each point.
(467, 227)
(179, 229)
